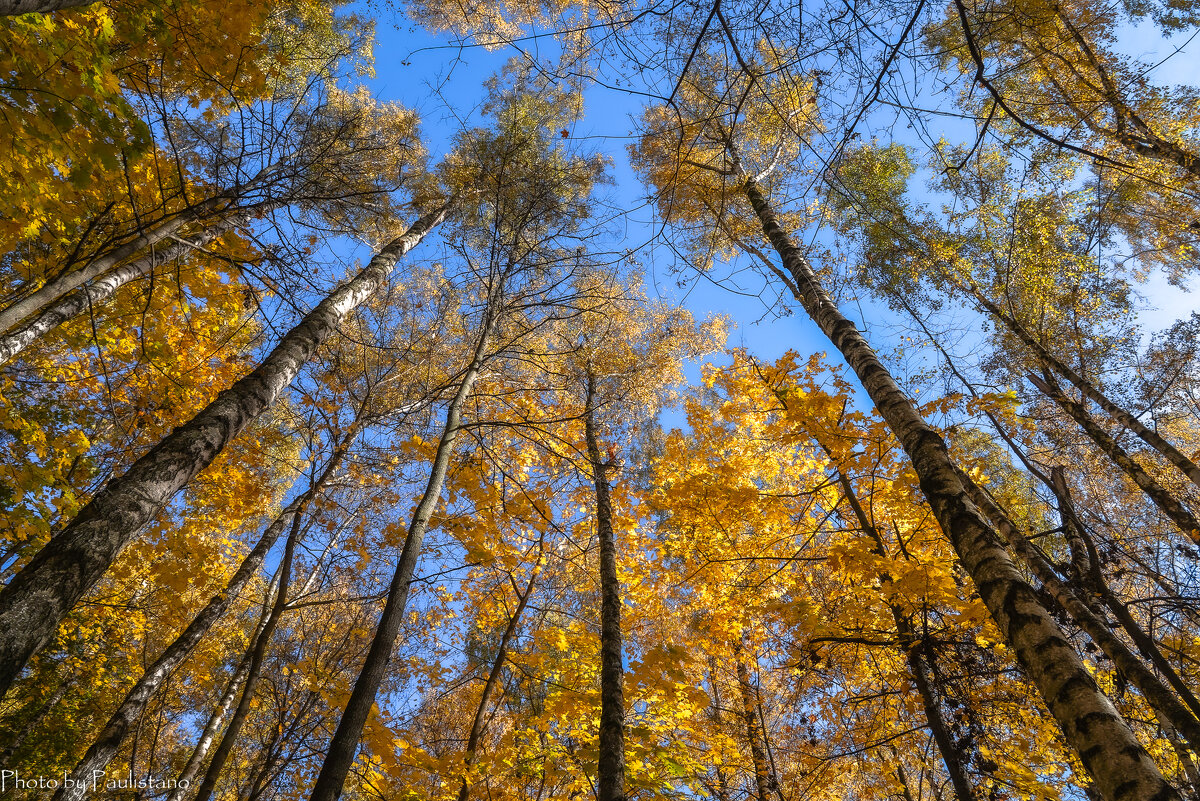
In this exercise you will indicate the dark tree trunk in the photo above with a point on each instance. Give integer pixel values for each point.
(1122, 768)
(109, 740)
(611, 769)
(493, 678)
(42, 593)
(344, 744)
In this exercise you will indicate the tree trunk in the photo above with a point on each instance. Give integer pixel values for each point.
(109, 740)
(224, 704)
(42, 593)
(1107, 746)
(1163, 499)
(56, 288)
(754, 735)
(911, 644)
(1090, 391)
(253, 672)
(104, 287)
(344, 744)
(9, 8)
(1155, 692)
(611, 769)
(493, 678)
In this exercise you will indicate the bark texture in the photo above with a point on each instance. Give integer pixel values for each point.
(1121, 767)
(489, 685)
(9, 8)
(104, 748)
(610, 776)
(1173, 509)
(103, 288)
(344, 743)
(1157, 693)
(42, 593)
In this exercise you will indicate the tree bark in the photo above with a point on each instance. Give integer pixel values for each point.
(1155, 692)
(344, 743)
(42, 593)
(103, 288)
(57, 288)
(911, 644)
(109, 740)
(1173, 509)
(258, 656)
(489, 686)
(1122, 768)
(1090, 391)
(611, 768)
(754, 734)
(9, 8)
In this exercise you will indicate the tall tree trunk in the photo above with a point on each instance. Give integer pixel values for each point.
(1123, 770)
(57, 288)
(911, 644)
(42, 593)
(1089, 390)
(104, 287)
(611, 769)
(253, 672)
(1092, 579)
(493, 678)
(109, 740)
(192, 767)
(755, 736)
(1155, 692)
(1173, 509)
(344, 743)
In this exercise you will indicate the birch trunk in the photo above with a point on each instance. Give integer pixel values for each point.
(1122, 768)
(258, 655)
(109, 740)
(42, 593)
(103, 288)
(344, 743)
(610, 772)
(1173, 509)
(1155, 692)
(57, 288)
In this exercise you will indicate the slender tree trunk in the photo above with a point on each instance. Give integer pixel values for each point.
(103, 288)
(611, 769)
(493, 678)
(1155, 692)
(56, 288)
(109, 740)
(9, 8)
(224, 704)
(42, 593)
(1089, 390)
(911, 645)
(253, 672)
(754, 735)
(344, 744)
(1173, 509)
(1123, 770)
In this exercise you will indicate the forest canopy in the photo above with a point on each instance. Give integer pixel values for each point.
(625, 400)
